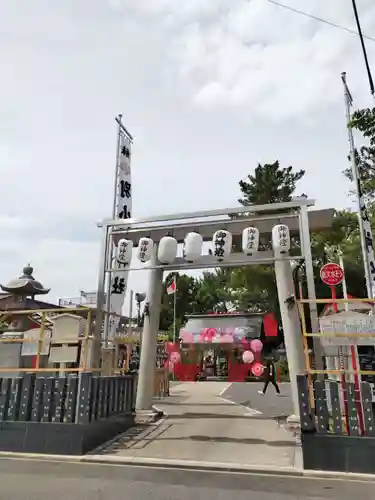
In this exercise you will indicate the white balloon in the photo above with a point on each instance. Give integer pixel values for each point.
(248, 357)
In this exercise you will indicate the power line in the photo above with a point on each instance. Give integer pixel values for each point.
(361, 37)
(319, 19)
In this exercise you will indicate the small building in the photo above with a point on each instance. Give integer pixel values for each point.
(19, 295)
(224, 337)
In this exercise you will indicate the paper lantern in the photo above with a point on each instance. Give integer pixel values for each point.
(257, 369)
(144, 249)
(124, 251)
(222, 244)
(250, 240)
(167, 250)
(256, 345)
(193, 246)
(175, 358)
(280, 239)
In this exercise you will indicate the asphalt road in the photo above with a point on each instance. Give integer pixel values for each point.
(42, 480)
(270, 405)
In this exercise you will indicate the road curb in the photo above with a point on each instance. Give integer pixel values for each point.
(191, 465)
(40, 457)
(219, 467)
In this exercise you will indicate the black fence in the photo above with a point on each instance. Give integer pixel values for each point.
(337, 427)
(73, 399)
(338, 409)
(64, 415)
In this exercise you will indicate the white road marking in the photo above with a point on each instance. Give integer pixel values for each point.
(225, 389)
(250, 412)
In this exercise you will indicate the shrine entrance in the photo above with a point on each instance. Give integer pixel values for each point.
(212, 346)
(265, 233)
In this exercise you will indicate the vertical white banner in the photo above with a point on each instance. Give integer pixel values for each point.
(119, 279)
(367, 237)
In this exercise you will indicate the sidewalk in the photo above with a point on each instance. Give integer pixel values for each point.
(201, 427)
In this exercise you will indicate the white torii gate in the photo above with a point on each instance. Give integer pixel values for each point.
(293, 214)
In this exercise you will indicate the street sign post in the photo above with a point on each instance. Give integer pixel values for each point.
(333, 275)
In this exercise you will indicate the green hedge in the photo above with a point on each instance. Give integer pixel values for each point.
(282, 366)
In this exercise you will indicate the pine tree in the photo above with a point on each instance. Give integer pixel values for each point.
(269, 184)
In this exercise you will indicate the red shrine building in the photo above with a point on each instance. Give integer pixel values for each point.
(213, 345)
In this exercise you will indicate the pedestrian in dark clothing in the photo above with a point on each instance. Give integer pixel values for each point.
(270, 377)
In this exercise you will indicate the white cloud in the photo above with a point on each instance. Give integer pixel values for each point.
(262, 59)
(207, 87)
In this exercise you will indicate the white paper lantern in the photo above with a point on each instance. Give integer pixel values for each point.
(193, 246)
(281, 239)
(124, 251)
(167, 250)
(250, 240)
(144, 249)
(222, 244)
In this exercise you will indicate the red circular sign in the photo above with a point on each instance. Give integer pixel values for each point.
(331, 274)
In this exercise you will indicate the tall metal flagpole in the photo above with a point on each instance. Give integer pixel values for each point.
(359, 197)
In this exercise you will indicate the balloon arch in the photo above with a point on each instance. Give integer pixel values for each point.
(188, 360)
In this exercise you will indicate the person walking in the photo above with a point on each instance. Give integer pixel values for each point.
(270, 377)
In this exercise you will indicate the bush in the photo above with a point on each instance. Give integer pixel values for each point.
(283, 368)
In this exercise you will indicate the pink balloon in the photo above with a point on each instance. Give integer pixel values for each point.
(257, 369)
(226, 339)
(175, 358)
(208, 334)
(248, 357)
(170, 367)
(256, 345)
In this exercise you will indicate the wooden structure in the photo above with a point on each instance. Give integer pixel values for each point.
(330, 441)
(336, 408)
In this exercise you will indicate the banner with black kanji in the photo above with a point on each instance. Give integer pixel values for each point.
(367, 237)
(119, 278)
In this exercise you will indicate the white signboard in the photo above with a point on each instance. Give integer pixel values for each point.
(347, 322)
(31, 348)
(63, 354)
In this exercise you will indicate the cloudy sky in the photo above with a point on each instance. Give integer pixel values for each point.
(208, 88)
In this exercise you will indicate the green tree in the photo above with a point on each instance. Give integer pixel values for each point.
(363, 120)
(343, 237)
(254, 287)
(186, 289)
(269, 184)
(213, 293)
